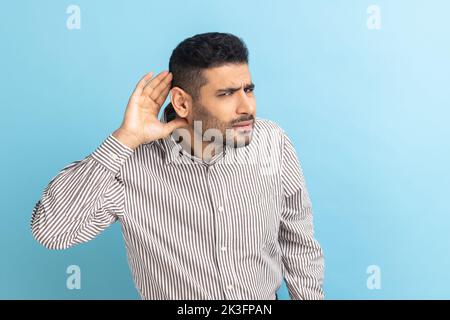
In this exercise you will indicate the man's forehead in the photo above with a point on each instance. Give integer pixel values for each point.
(234, 75)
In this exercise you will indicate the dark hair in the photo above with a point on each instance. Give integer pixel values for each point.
(202, 51)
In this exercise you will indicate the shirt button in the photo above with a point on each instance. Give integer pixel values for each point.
(229, 287)
(223, 248)
(220, 209)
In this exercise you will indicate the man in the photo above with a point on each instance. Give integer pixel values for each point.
(212, 200)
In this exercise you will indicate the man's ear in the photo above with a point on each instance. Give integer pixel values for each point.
(181, 102)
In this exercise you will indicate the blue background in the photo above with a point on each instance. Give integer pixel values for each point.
(367, 110)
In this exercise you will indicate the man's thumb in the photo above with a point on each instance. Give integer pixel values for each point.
(175, 124)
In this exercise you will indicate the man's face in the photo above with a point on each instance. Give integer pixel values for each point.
(226, 105)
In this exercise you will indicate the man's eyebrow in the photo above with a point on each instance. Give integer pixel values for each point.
(233, 89)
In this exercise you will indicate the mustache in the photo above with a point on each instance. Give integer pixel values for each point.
(247, 118)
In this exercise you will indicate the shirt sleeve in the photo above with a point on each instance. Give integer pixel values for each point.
(83, 199)
(301, 253)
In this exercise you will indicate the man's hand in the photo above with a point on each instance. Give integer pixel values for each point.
(140, 124)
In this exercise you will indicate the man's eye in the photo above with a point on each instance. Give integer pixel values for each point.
(249, 90)
(225, 94)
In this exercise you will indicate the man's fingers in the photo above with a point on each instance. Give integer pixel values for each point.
(154, 95)
(144, 80)
(152, 84)
(161, 87)
(163, 95)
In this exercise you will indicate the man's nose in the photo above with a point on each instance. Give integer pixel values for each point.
(246, 104)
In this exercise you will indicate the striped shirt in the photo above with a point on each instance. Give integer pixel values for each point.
(230, 228)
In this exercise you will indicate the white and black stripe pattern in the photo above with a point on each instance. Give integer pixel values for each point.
(228, 229)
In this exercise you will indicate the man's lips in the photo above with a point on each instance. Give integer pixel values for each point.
(244, 124)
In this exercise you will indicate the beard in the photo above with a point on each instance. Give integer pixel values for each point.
(210, 129)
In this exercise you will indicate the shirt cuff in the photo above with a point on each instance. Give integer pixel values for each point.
(112, 154)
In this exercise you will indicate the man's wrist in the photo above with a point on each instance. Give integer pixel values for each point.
(126, 138)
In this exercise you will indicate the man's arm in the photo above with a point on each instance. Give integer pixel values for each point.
(301, 253)
(83, 199)
(87, 196)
